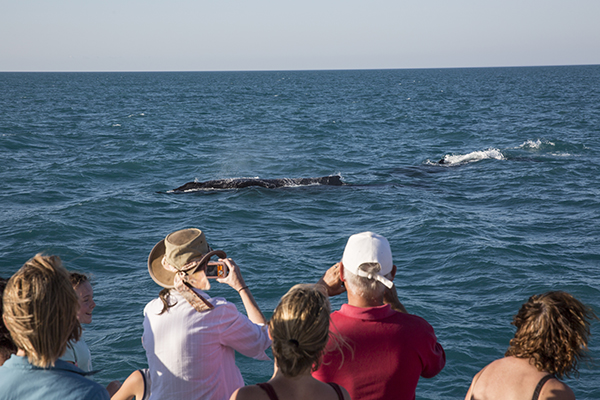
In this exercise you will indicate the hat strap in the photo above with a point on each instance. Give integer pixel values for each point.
(182, 285)
(205, 258)
(376, 276)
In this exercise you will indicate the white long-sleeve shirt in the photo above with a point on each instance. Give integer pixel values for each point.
(191, 354)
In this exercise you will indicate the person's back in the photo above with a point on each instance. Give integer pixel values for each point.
(193, 352)
(40, 311)
(20, 380)
(300, 331)
(390, 351)
(301, 390)
(552, 335)
(390, 348)
(512, 378)
(190, 338)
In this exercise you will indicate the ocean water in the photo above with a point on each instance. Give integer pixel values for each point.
(514, 210)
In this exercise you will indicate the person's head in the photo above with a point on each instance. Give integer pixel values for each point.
(299, 329)
(552, 331)
(184, 251)
(40, 309)
(85, 293)
(179, 260)
(7, 346)
(367, 265)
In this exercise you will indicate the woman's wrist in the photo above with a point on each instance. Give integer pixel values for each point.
(242, 288)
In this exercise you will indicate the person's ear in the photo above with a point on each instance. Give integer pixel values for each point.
(393, 273)
(342, 272)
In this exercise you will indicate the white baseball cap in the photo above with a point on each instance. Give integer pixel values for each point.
(368, 247)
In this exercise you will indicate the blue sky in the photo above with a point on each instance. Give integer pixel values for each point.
(223, 35)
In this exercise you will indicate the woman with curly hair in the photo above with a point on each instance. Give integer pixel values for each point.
(551, 339)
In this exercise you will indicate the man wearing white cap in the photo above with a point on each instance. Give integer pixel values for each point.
(388, 349)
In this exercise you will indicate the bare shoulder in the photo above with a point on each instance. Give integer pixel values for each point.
(496, 369)
(252, 392)
(135, 378)
(556, 390)
(470, 391)
(133, 387)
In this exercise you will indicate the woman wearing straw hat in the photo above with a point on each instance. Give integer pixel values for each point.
(189, 337)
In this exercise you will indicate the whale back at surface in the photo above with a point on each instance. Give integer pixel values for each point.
(239, 183)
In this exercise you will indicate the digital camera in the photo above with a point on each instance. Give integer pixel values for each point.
(216, 269)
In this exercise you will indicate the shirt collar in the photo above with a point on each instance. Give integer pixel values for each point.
(370, 313)
(18, 362)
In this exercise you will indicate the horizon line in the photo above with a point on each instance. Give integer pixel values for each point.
(293, 70)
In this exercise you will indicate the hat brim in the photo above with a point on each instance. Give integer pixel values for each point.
(157, 272)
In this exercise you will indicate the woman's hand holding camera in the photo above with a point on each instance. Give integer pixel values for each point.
(234, 277)
(236, 281)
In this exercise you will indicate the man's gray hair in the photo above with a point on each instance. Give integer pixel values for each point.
(363, 286)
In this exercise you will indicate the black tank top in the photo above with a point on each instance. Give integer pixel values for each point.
(538, 388)
(271, 393)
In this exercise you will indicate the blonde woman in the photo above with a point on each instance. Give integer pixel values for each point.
(552, 335)
(299, 330)
(40, 311)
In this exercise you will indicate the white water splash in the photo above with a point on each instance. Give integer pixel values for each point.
(474, 156)
(535, 144)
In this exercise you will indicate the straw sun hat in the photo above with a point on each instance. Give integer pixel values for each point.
(186, 250)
